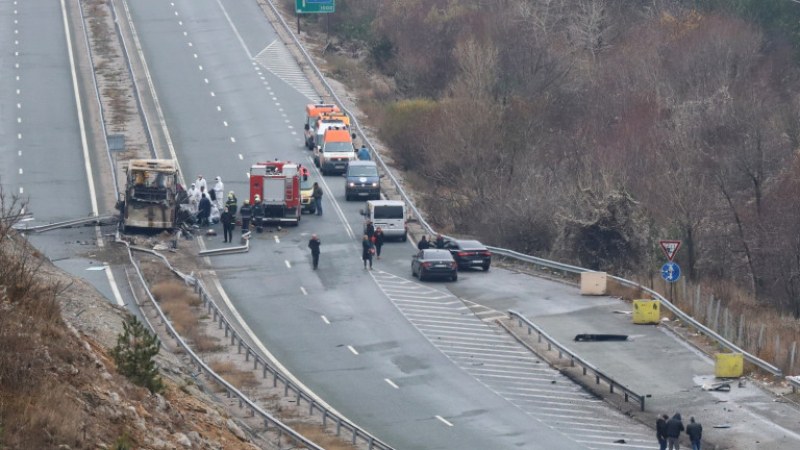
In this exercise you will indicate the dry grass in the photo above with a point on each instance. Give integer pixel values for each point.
(233, 375)
(180, 304)
(322, 438)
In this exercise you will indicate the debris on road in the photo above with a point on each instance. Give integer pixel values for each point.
(719, 387)
(600, 337)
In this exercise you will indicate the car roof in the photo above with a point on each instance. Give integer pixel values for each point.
(337, 136)
(361, 163)
(385, 202)
(437, 253)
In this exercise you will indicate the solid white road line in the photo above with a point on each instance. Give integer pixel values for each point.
(81, 125)
(235, 31)
(391, 383)
(113, 283)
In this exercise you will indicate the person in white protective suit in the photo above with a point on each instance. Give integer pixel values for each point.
(215, 214)
(201, 184)
(219, 193)
(193, 194)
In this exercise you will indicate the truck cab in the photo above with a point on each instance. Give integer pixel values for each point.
(336, 152)
(277, 185)
(313, 113)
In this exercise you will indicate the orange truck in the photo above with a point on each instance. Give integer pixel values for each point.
(313, 113)
(336, 151)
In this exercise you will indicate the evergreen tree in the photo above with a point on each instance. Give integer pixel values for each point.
(134, 353)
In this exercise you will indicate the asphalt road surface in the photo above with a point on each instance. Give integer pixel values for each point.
(41, 154)
(231, 98)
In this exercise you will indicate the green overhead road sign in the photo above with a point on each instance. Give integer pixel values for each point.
(315, 6)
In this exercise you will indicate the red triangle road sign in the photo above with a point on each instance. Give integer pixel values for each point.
(670, 248)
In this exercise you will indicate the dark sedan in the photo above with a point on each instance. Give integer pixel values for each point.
(433, 263)
(469, 254)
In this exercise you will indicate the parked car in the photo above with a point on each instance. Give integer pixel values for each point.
(432, 263)
(469, 254)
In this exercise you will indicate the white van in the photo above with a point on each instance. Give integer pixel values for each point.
(390, 215)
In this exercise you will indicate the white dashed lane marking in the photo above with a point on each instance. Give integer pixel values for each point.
(500, 363)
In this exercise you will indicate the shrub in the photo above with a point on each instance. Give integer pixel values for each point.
(136, 347)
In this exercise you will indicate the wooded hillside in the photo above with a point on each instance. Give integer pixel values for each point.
(588, 130)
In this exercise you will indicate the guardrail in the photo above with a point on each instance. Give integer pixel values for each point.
(65, 224)
(587, 367)
(566, 268)
(227, 250)
(267, 370)
(794, 382)
(230, 390)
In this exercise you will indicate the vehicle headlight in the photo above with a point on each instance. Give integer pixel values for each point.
(351, 184)
(374, 184)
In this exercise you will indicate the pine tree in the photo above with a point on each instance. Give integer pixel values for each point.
(134, 353)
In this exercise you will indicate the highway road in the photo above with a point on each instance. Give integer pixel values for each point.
(410, 364)
(41, 151)
(409, 361)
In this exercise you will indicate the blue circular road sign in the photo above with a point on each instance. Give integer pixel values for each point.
(670, 272)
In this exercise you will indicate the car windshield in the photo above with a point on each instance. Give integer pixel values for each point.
(306, 184)
(388, 212)
(337, 147)
(362, 171)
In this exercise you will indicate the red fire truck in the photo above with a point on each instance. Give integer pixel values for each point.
(277, 186)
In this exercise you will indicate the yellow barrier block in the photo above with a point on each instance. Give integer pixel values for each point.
(729, 365)
(646, 311)
(593, 283)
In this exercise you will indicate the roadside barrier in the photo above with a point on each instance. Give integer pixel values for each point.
(230, 390)
(97, 220)
(329, 418)
(574, 359)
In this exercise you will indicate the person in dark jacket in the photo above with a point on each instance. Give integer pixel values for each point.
(231, 203)
(674, 429)
(228, 223)
(439, 242)
(204, 210)
(423, 243)
(367, 249)
(378, 240)
(316, 194)
(247, 213)
(314, 244)
(661, 431)
(258, 214)
(369, 229)
(695, 432)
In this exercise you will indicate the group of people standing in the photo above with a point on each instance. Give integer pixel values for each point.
(371, 245)
(207, 204)
(425, 243)
(668, 432)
